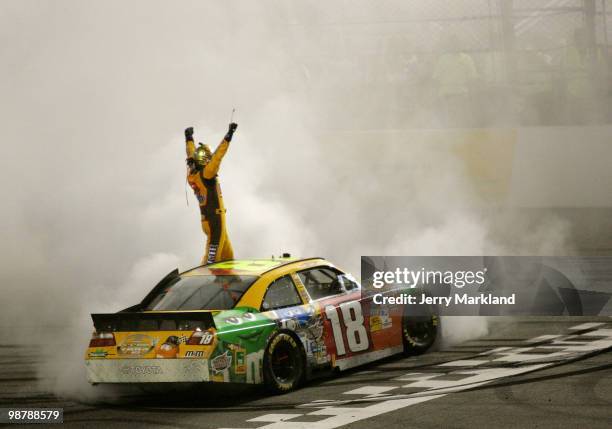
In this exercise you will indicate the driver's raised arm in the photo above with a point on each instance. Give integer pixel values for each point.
(212, 168)
(190, 145)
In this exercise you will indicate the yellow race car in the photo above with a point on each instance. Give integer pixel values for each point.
(271, 321)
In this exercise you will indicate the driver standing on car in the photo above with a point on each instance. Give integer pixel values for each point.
(202, 169)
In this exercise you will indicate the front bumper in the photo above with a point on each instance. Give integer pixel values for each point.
(147, 370)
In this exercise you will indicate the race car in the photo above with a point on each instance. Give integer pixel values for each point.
(276, 322)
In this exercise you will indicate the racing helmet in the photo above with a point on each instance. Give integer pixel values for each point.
(202, 154)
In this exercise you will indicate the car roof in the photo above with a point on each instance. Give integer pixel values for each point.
(252, 267)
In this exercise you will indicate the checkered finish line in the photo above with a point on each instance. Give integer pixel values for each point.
(416, 387)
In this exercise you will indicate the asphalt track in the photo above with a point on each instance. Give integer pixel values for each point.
(535, 372)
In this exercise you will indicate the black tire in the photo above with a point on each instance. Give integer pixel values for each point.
(284, 363)
(419, 329)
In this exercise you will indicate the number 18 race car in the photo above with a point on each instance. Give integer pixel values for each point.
(275, 322)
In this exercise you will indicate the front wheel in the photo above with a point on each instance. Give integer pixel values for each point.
(283, 363)
(419, 329)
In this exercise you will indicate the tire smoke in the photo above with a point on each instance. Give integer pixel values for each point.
(93, 169)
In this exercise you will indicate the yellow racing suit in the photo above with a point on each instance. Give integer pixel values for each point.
(205, 185)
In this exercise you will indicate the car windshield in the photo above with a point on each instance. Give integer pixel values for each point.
(207, 292)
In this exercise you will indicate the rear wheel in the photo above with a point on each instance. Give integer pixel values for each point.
(283, 363)
(419, 329)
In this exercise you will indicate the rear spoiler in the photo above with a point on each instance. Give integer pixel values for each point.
(154, 321)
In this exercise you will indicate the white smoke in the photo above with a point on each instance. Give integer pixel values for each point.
(96, 98)
(457, 329)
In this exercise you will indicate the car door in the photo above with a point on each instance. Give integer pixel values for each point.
(339, 299)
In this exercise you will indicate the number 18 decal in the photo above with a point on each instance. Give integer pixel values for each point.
(356, 335)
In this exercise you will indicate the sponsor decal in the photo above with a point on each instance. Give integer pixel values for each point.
(141, 370)
(318, 351)
(212, 253)
(239, 358)
(234, 320)
(254, 364)
(292, 312)
(194, 354)
(300, 288)
(290, 324)
(136, 345)
(207, 338)
(246, 265)
(221, 362)
(249, 316)
(98, 353)
(301, 319)
(378, 323)
(380, 320)
(169, 349)
(315, 328)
